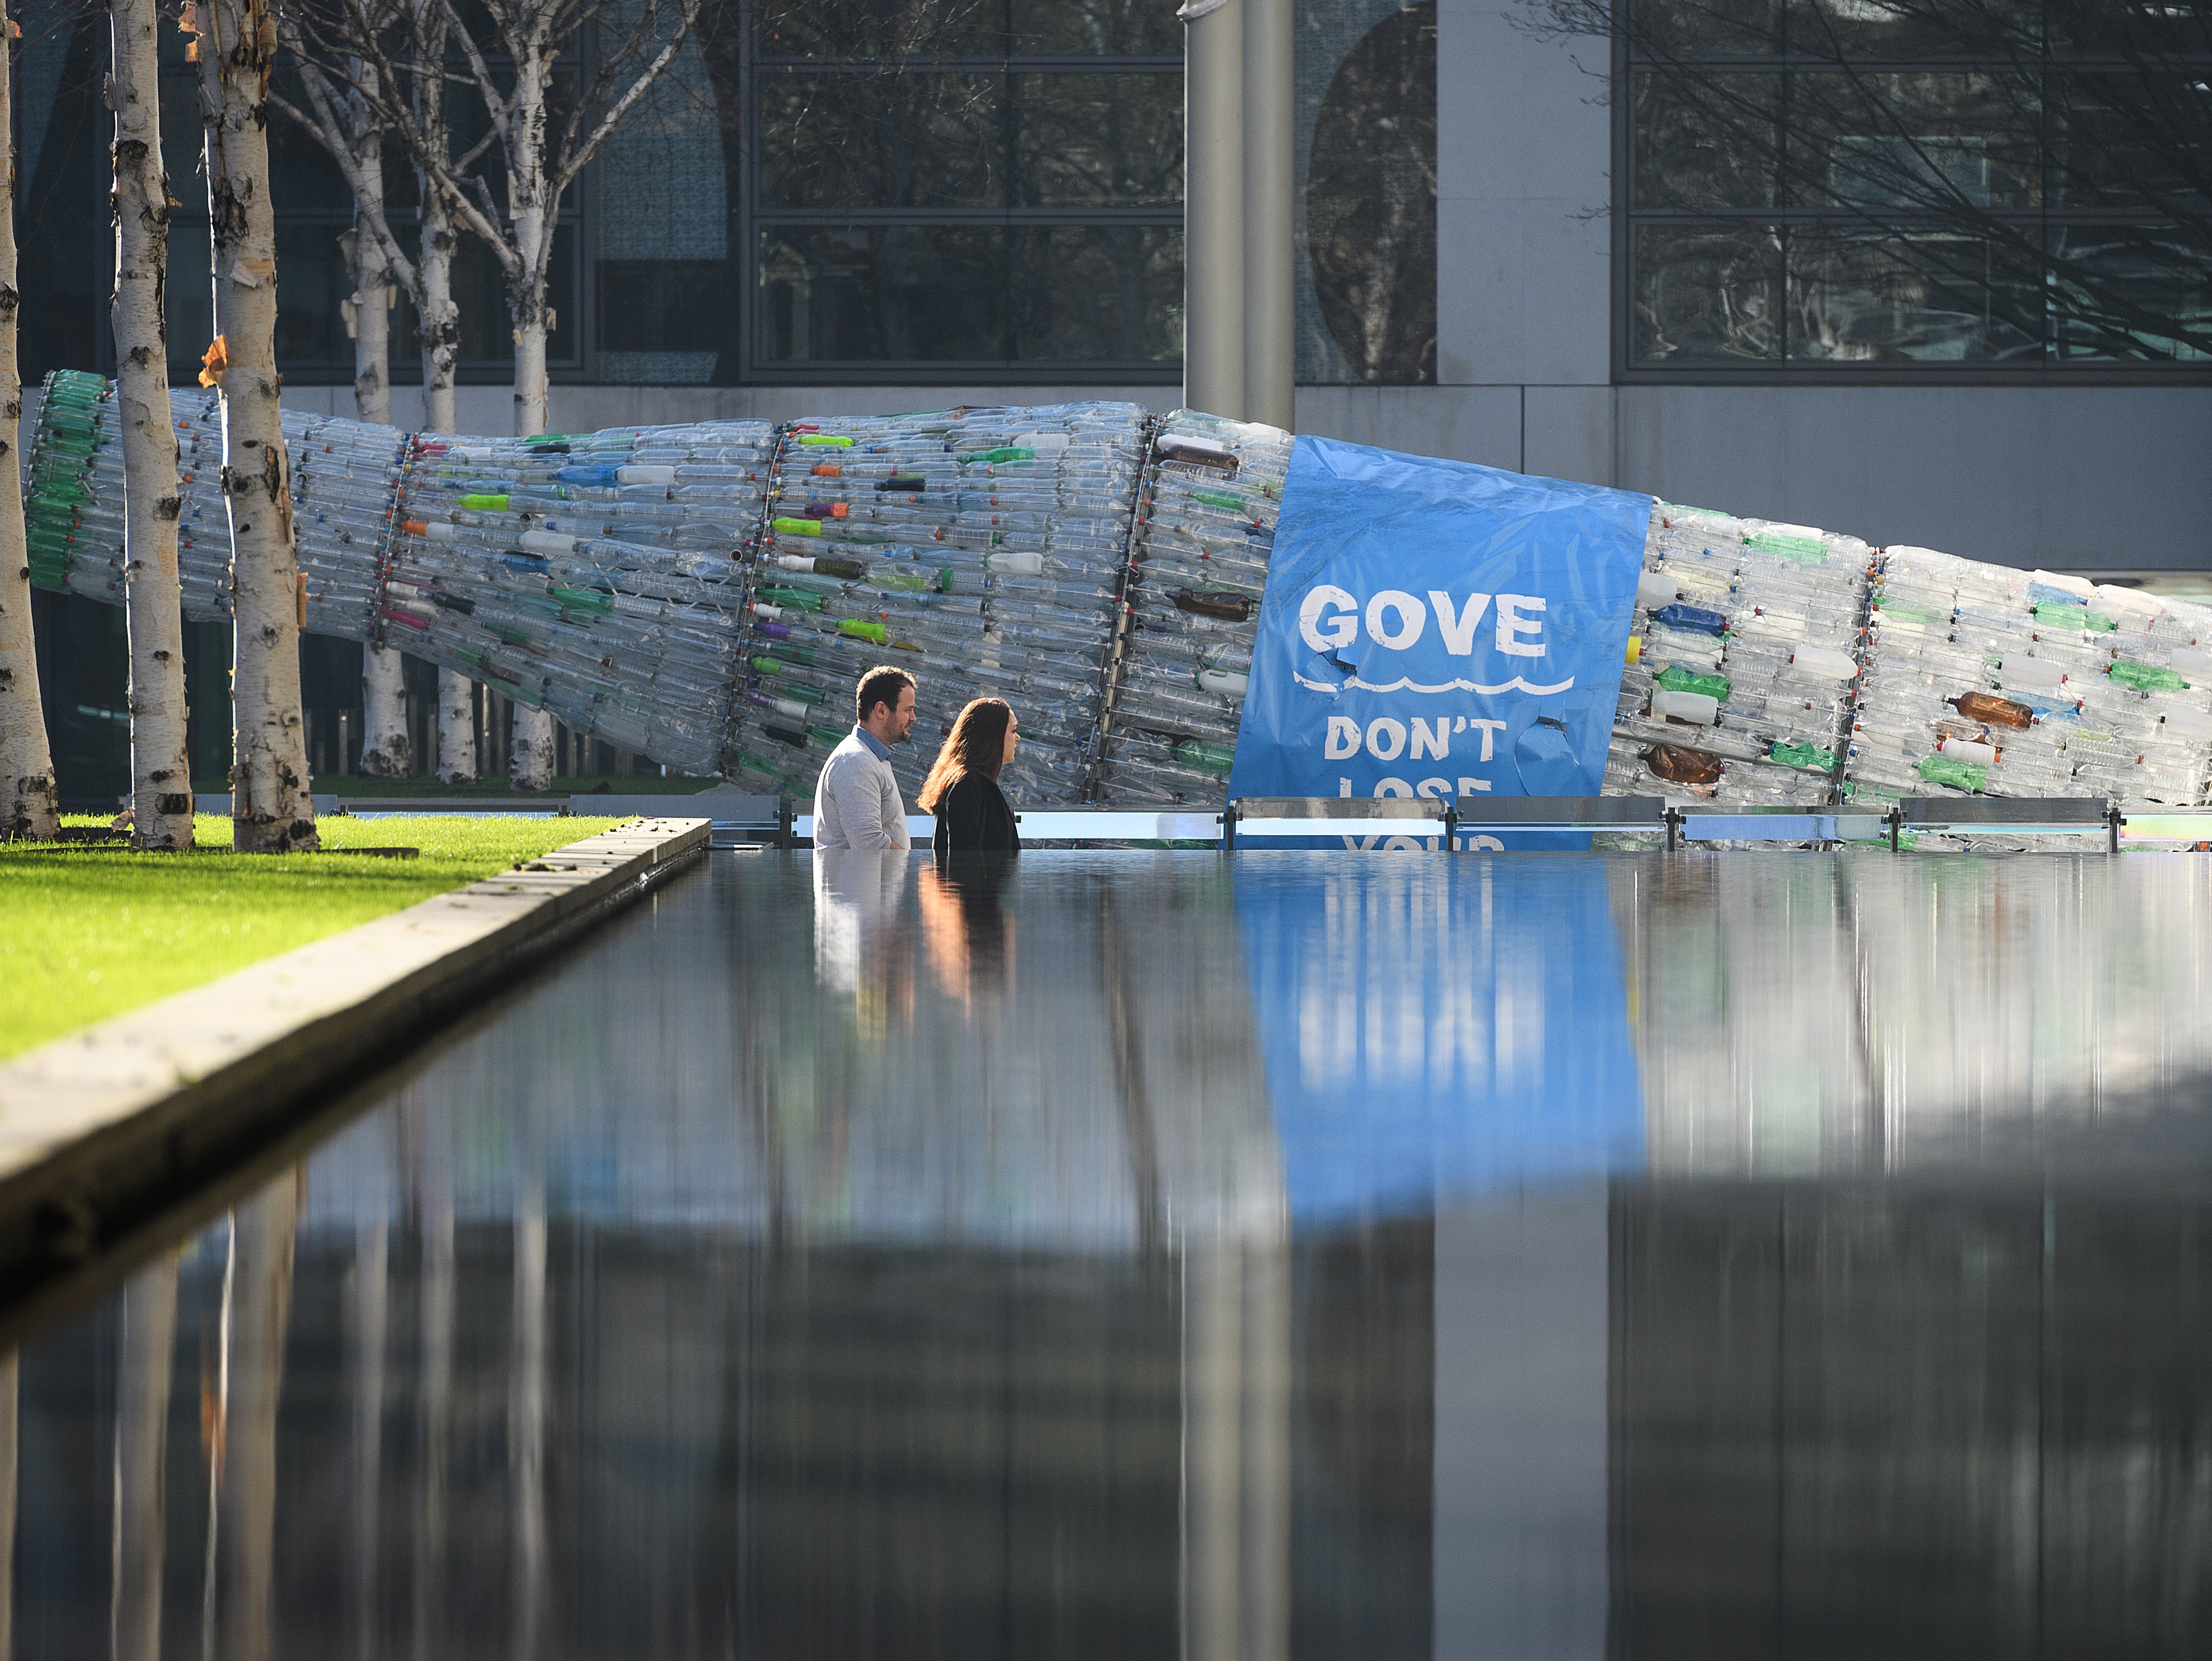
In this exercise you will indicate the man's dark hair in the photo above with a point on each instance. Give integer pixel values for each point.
(879, 685)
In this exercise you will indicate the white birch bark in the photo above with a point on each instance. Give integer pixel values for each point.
(531, 217)
(271, 811)
(457, 728)
(388, 749)
(440, 323)
(161, 765)
(27, 799)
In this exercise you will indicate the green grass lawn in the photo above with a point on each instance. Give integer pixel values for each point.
(645, 784)
(87, 933)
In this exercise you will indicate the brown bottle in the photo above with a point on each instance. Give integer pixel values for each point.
(1679, 765)
(1993, 711)
(1229, 608)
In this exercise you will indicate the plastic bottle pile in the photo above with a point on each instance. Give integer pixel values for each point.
(706, 595)
(587, 573)
(981, 548)
(1199, 566)
(1743, 660)
(1985, 679)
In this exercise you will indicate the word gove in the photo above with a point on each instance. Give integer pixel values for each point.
(1329, 620)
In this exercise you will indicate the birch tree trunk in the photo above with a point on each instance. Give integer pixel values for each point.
(161, 765)
(532, 215)
(28, 802)
(271, 811)
(439, 317)
(457, 728)
(387, 750)
(440, 321)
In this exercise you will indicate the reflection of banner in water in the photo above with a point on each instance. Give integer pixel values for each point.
(1438, 1026)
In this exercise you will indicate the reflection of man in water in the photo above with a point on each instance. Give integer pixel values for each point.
(856, 908)
(857, 803)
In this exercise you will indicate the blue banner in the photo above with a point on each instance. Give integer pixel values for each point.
(1436, 628)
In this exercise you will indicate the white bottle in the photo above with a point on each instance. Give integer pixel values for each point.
(1692, 709)
(1822, 663)
(2029, 671)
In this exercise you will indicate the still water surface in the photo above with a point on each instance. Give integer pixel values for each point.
(1143, 1255)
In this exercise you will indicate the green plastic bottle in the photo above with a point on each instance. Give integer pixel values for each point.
(788, 528)
(825, 440)
(585, 599)
(2147, 677)
(792, 599)
(1210, 758)
(1958, 774)
(1003, 453)
(1811, 756)
(484, 504)
(1228, 499)
(859, 630)
(2073, 617)
(1906, 613)
(1790, 547)
(1675, 679)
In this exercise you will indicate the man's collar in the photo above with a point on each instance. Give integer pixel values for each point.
(883, 751)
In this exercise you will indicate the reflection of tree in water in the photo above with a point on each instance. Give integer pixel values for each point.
(1371, 202)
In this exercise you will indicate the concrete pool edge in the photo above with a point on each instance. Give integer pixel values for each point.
(102, 1127)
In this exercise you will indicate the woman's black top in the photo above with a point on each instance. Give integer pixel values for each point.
(973, 818)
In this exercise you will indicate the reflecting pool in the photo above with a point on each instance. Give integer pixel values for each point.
(1294, 1255)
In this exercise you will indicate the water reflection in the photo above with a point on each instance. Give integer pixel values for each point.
(1293, 1255)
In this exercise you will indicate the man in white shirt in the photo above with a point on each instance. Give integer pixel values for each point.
(857, 802)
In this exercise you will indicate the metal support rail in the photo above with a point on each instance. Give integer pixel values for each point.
(1250, 817)
(2019, 815)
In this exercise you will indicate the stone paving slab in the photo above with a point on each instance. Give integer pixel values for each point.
(101, 1126)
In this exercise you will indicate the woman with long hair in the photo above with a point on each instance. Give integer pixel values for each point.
(962, 786)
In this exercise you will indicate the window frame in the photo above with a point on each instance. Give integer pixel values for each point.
(750, 221)
(1628, 219)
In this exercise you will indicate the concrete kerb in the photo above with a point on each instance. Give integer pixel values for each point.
(110, 1125)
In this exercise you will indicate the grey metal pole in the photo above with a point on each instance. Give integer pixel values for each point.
(1269, 339)
(1213, 210)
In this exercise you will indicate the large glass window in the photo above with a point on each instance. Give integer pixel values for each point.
(938, 186)
(1915, 186)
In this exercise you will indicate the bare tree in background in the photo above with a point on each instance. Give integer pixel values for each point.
(271, 811)
(546, 134)
(2052, 160)
(328, 45)
(161, 766)
(28, 799)
(338, 117)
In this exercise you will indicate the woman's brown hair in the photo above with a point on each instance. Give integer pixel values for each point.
(977, 744)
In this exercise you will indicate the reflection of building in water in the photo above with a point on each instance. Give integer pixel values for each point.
(1868, 1421)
